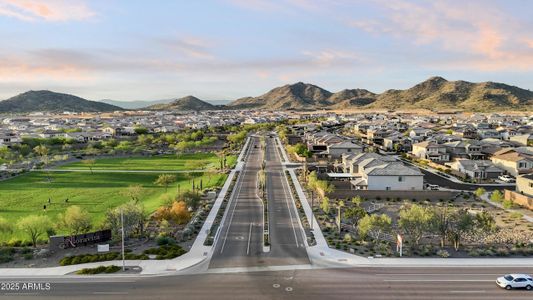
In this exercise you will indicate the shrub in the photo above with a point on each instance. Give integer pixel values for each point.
(28, 256)
(166, 251)
(86, 258)
(443, 253)
(165, 240)
(98, 270)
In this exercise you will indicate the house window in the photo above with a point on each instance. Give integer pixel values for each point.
(521, 165)
(388, 188)
(400, 178)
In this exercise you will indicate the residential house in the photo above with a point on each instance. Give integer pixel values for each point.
(524, 139)
(478, 169)
(377, 172)
(431, 151)
(336, 150)
(420, 134)
(524, 184)
(470, 149)
(515, 161)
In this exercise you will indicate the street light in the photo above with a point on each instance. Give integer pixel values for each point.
(122, 230)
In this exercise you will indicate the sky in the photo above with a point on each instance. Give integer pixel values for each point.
(226, 49)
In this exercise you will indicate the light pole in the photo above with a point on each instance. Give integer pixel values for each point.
(122, 230)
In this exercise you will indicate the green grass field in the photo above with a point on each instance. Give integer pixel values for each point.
(160, 163)
(97, 193)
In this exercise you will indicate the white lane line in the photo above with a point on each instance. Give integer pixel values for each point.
(290, 212)
(110, 293)
(286, 189)
(467, 292)
(437, 280)
(435, 274)
(236, 200)
(249, 239)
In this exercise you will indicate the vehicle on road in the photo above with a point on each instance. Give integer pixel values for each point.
(432, 187)
(515, 281)
(506, 178)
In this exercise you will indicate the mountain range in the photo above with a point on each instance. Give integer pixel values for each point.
(435, 93)
(33, 101)
(184, 104)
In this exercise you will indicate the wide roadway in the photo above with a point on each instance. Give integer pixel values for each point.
(354, 283)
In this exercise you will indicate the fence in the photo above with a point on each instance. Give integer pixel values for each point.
(519, 199)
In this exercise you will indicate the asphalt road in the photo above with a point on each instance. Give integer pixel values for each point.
(446, 183)
(240, 241)
(355, 283)
(286, 234)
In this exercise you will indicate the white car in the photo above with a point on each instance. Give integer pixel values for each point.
(506, 178)
(515, 281)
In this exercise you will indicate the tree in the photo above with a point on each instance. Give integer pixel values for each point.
(165, 180)
(461, 223)
(479, 192)
(179, 212)
(5, 226)
(140, 130)
(354, 214)
(34, 226)
(485, 222)
(134, 219)
(496, 196)
(357, 200)
(415, 221)
(89, 163)
(190, 199)
(325, 205)
(507, 204)
(375, 225)
(75, 220)
(441, 222)
(134, 192)
(41, 150)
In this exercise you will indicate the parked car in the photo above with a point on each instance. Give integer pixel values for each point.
(515, 281)
(433, 187)
(506, 178)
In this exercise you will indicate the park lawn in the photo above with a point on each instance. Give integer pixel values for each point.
(181, 162)
(97, 193)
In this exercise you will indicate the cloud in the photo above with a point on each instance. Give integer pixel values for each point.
(489, 38)
(190, 47)
(50, 10)
(331, 57)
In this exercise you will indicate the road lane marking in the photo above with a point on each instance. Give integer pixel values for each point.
(437, 280)
(21, 294)
(283, 182)
(249, 239)
(467, 292)
(436, 274)
(236, 198)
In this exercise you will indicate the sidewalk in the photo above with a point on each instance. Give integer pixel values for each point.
(197, 254)
(485, 197)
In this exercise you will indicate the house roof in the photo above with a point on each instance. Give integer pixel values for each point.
(344, 145)
(394, 169)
